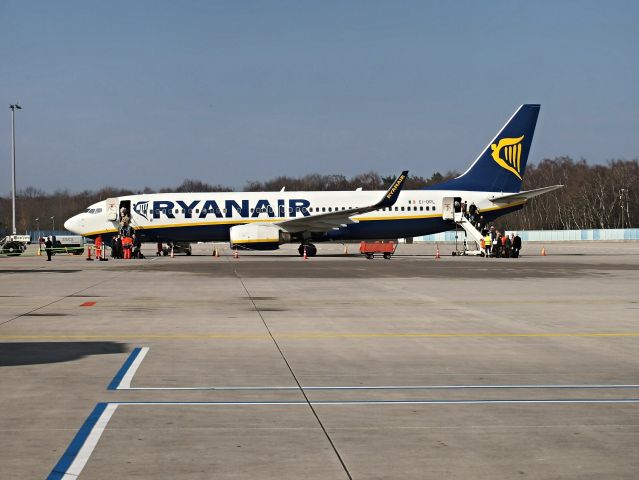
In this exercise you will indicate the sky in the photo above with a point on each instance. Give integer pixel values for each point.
(134, 94)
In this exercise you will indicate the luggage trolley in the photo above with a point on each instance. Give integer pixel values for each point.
(385, 248)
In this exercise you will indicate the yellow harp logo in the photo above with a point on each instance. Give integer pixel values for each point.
(511, 148)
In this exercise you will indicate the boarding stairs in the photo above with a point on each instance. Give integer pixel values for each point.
(470, 232)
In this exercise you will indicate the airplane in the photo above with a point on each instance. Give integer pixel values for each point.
(266, 220)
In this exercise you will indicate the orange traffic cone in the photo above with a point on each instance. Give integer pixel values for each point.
(39, 252)
(543, 251)
(305, 256)
(89, 253)
(345, 249)
(172, 253)
(437, 255)
(217, 253)
(236, 254)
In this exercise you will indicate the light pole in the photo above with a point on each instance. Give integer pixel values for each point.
(13, 108)
(53, 225)
(37, 220)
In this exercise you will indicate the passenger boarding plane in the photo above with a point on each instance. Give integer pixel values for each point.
(265, 220)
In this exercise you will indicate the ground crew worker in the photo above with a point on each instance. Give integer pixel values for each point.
(48, 245)
(127, 245)
(487, 244)
(98, 247)
(159, 252)
(482, 244)
(507, 246)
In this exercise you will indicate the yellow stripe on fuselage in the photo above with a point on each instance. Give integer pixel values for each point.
(273, 220)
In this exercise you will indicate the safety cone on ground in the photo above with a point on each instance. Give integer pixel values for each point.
(236, 254)
(214, 254)
(437, 255)
(543, 251)
(89, 253)
(39, 252)
(305, 256)
(172, 253)
(345, 249)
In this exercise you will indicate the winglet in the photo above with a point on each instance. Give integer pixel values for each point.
(393, 192)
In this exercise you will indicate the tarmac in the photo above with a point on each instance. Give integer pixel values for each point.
(274, 367)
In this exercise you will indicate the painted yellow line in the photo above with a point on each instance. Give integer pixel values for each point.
(320, 335)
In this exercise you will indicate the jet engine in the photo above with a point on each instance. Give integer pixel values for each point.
(258, 236)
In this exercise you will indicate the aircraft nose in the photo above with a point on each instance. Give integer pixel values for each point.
(73, 224)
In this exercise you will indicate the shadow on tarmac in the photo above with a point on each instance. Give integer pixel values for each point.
(34, 353)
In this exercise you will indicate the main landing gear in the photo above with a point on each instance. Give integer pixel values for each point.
(311, 250)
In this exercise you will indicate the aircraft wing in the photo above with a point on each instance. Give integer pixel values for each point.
(335, 220)
(523, 196)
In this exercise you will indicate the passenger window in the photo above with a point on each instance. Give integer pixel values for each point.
(323, 209)
(421, 209)
(396, 209)
(402, 209)
(330, 209)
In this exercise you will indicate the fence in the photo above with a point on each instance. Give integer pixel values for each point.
(601, 234)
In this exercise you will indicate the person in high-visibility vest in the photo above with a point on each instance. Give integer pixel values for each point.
(127, 245)
(98, 247)
(487, 244)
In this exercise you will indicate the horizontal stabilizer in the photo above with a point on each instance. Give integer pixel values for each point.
(523, 196)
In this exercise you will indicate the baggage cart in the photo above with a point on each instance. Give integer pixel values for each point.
(370, 249)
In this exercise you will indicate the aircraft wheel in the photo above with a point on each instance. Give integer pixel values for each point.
(311, 250)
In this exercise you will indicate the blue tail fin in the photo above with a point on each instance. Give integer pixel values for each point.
(501, 166)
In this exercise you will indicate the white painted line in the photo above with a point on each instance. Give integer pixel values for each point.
(125, 384)
(393, 387)
(92, 440)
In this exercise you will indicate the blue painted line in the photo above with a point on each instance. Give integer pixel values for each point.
(393, 387)
(76, 444)
(115, 383)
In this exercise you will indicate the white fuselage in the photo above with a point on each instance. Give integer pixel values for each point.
(209, 216)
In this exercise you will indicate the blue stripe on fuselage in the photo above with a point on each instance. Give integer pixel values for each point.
(364, 230)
